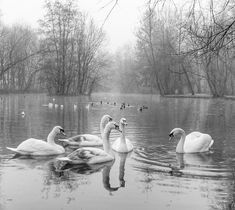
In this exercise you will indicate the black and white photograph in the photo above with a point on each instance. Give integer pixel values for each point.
(117, 104)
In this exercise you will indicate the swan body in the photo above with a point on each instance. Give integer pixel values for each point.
(88, 140)
(91, 155)
(36, 147)
(193, 142)
(122, 144)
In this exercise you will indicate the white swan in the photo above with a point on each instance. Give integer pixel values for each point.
(91, 155)
(38, 147)
(88, 140)
(122, 144)
(193, 142)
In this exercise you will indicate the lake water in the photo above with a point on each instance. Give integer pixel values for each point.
(153, 176)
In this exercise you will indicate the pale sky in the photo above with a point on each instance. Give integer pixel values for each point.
(120, 25)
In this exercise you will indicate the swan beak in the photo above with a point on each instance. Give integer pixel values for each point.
(118, 128)
(171, 136)
(62, 132)
(110, 119)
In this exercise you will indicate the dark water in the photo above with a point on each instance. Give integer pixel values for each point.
(151, 177)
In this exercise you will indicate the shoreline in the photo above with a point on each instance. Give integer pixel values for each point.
(199, 96)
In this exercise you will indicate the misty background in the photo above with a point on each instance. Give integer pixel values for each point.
(171, 47)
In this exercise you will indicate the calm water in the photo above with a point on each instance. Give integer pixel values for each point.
(151, 177)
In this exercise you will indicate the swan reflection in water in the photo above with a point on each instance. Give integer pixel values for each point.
(68, 173)
(194, 160)
(33, 161)
(106, 173)
(123, 157)
(63, 171)
(194, 165)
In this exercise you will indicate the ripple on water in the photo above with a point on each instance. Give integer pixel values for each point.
(198, 165)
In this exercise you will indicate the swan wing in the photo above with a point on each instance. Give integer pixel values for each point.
(84, 140)
(129, 145)
(197, 142)
(75, 139)
(35, 147)
(90, 140)
(89, 155)
(90, 137)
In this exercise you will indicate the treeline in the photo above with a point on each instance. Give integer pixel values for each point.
(63, 57)
(179, 50)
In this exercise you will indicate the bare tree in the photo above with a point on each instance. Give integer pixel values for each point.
(73, 41)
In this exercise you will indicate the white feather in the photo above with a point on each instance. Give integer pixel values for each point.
(38, 147)
(91, 155)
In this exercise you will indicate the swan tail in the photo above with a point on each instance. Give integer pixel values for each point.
(13, 149)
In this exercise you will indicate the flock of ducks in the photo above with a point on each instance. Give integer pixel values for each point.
(121, 106)
(86, 145)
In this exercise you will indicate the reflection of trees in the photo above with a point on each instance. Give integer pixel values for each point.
(38, 120)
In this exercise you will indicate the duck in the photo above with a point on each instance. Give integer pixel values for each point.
(84, 140)
(37, 147)
(88, 106)
(140, 109)
(122, 144)
(194, 142)
(50, 105)
(92, 155)
(22, 114)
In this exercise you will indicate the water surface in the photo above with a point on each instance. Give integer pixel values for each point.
(153, 176)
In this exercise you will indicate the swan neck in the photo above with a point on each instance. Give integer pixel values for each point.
(180, 145)
(106, 143)
(102, 127)
(123, 134)
(51, 137)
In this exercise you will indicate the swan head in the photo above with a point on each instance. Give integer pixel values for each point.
(112, 125)
(176, 132)
(106, 118)
(59, 130)
(123, 122)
